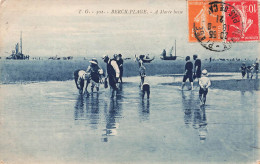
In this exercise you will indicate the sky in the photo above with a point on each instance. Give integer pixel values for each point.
(60, 27)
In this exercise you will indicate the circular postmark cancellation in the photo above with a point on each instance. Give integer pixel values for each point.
(217, 26)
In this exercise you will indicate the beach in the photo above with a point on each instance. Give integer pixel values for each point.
(54, 124)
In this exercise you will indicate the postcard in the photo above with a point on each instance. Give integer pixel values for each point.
(120, 81)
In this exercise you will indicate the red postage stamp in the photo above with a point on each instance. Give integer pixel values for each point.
(248, 10)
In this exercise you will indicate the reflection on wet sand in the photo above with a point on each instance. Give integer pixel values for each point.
(202, 124)
(187, 106)
(112, 114)
(193, 115)
(91, 112)
(144, 109)
(79, 108)
(92, 109)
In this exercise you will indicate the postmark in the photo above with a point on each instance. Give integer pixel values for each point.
(217, 25)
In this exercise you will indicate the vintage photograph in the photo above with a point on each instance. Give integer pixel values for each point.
(129, 81)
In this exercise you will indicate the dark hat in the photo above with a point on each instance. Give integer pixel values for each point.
(105, 58)
(94, 61)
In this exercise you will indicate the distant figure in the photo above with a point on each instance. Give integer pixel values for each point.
(164, 53)
(113, 73)
(249, 71)
(243, 70)
(188, 73)
(95, 73)
(142, 73)
(197, 67)
(210, 59)
(204, 83)
(256, 69)
(120, 63)
(80, 77)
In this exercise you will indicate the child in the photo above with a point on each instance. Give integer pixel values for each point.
(145, 87)
(142, 74)
(204, 83)
(243, 70)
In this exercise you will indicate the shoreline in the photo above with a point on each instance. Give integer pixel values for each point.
(225, 84)
(230, 84)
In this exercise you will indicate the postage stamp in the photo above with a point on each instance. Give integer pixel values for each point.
(248, 10)
(217, 24)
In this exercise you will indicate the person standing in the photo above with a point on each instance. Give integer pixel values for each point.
(95, 74)
(204, 83)
(256, 69)
(188, 73)
(197, 67)
(243, 69)
(142, 73)
(139, 60)
(145, 88)
(113, 74)
(249, 71)
(120, 63)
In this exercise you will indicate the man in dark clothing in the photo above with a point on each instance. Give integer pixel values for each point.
(188, 73)
(197, 67)
(113, 73)
(243, 69)
(120, 63)
(249, 71)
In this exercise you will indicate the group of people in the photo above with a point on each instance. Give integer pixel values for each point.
(194, 72)
(114, 73)
(94, 74)
(91, 75)
(250, 70)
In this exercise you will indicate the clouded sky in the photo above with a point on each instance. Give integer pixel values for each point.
(60, 27)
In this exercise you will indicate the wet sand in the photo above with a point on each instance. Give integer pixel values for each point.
(49, 122)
